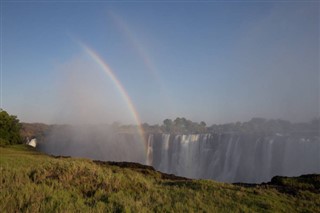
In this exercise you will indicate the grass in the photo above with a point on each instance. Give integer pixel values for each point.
(35, 182)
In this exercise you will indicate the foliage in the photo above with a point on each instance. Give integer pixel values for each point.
(34, 182)
(261, 125)
(183, 126)
(255, 125)
(9, 129)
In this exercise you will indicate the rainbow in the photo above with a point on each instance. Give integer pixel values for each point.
(144, 56)
(135, 43)
(105, 67)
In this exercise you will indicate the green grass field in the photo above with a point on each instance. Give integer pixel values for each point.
(35, 182)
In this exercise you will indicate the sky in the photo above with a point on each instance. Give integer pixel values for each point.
(209, 61)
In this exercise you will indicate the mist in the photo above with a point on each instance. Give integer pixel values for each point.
(88, 110)
(86, 95)
(100, 142)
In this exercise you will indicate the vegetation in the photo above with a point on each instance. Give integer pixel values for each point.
(262, 125)
(185, 126)
(33, 182)
(9, 129)
(255, 125)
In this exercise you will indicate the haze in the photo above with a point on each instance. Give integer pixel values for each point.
(213, 61)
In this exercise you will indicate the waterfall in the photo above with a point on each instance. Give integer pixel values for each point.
(149, 150)
(234, 157)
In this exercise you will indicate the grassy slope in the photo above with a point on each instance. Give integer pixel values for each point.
(32, 182)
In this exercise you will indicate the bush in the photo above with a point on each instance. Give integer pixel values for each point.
(9, 129)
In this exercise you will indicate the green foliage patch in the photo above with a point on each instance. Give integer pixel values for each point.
(9, 129)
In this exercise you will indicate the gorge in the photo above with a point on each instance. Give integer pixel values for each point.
(226, 157)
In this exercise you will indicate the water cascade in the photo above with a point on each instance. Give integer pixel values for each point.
(234, 157)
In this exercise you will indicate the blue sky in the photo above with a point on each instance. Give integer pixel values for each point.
(213, 61)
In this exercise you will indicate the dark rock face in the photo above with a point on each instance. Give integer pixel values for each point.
(140, 168)
(250, 158)
(290, 185)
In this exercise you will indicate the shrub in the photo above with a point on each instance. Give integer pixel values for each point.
(9, 129)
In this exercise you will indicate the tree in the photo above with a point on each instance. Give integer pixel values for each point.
(167, 123)
(9, 129)
(180, 125)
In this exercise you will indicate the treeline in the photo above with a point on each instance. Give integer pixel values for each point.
(14, 132)
(178, 126)
(255, 125)
(262, 125)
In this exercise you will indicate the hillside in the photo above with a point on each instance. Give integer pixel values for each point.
(33, 182)
(31, 130)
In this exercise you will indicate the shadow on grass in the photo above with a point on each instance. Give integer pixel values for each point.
(183, 184)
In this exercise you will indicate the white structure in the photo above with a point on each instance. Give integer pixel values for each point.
(32, 142)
